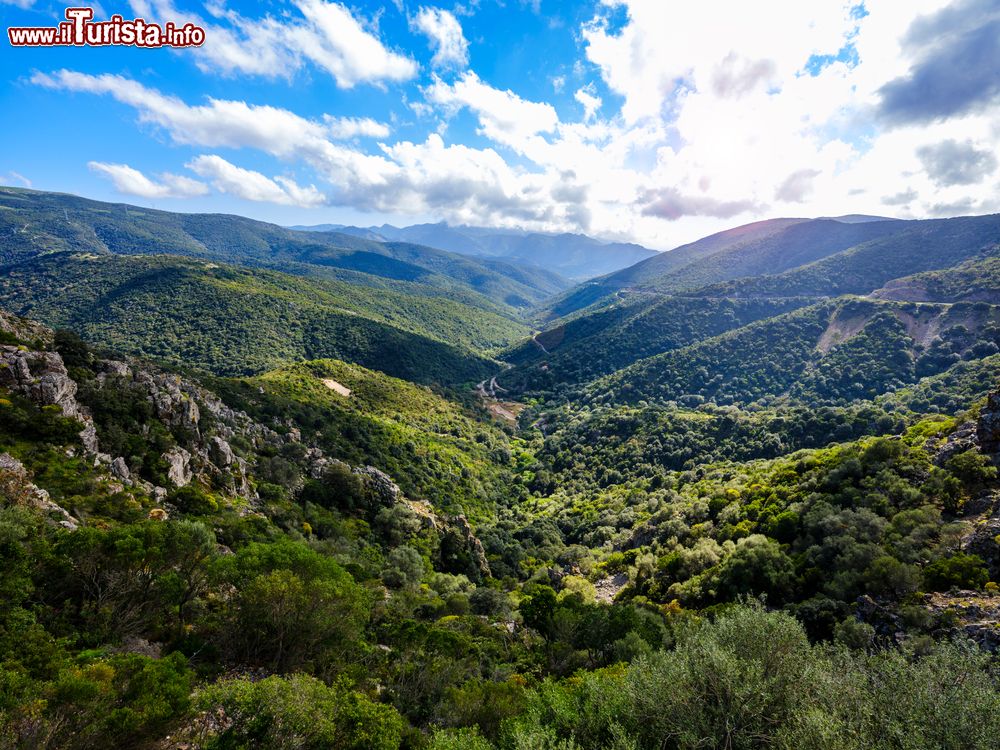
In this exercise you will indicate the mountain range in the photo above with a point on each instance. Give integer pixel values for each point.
(573, 256)
(269, 487)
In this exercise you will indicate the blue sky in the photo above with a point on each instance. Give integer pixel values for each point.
(649, 120)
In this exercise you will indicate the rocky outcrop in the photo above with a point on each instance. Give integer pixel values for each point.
(16, 488)
(968, 613)
(473, 545)
(961, 439)
(988, 427)
(179, 466)
(174, 405)
(42, 377)
(385, 491)
(25, 330)
(120, 470)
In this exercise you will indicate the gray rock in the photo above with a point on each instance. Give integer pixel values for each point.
(120, 469)
(116, 369)
(221, 453)
(380, 484)
(17, 486)
(988, 426)
(42, 377)
(179, 471)
(473, 544)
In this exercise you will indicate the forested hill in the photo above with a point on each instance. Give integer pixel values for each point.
(325, 556)
(805, 257)
(32, 223)
(954, 261)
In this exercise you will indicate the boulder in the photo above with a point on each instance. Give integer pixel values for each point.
(385, 491)
(221, 453)
(120, 469)
(474, 546)
(179, 471)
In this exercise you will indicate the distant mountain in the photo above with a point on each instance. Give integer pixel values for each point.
(916, 247)
(574, 256)
(605, 329)
(33, 222)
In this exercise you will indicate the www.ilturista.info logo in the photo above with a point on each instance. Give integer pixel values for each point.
(80, 30)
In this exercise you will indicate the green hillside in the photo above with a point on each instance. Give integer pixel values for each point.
(231, 320)
(925, 246)
(833, 352)
(790, 246)
(33, 222)
(976, 280)
(639, 326)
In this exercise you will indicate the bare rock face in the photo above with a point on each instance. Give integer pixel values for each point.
(42, 377)
(173, 404)
(120, 469)
(988, 427)
(18, 489)
(221, 453)
(180, 466)
(983, 539)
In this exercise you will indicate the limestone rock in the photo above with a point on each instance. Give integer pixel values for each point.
(180, 466)
(120, 469)
(473, 544)
(221, 453)
(42, 377)
(17, 488)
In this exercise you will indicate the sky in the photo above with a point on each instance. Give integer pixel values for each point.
(653, 121)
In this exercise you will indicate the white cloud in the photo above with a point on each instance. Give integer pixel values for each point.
(707, 124)
(131, 181)
(504, 116)
(253, 186)
(451, 49)
(23, 4)
(344, 128)
(590, 101)
(326, 34)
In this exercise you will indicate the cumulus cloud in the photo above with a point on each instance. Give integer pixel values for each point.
(901, 198)
(717, 112)
(131, 181)
(956, 68)
(463, 184)
(451, 49)
(253, 186)
(954, 163)
(591, 101)
(735, 76)
(504, 117)
(343, 128)
(325, 34)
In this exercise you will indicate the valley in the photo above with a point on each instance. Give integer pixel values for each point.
(260, 483)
